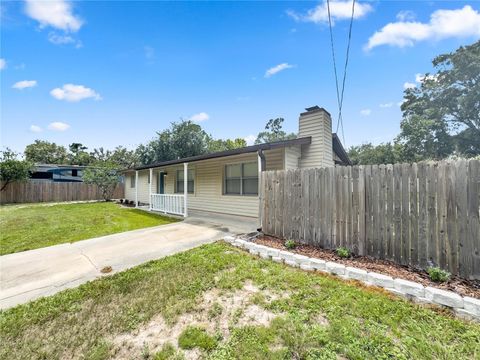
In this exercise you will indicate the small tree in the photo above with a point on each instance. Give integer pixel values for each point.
(12, 169)
(105, 175)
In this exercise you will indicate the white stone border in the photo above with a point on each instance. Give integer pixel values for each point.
(465, 307)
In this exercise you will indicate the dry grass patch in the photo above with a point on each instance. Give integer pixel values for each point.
(218, 312)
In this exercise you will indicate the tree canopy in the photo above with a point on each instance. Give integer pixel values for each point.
(274, 132)
(45, 152)
(13, 169)
(105, 175)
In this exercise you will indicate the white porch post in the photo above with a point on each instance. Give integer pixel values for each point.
(185, 188)
(136, 188)
(150, 188)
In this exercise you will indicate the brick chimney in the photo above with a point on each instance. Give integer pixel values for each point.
(317, 123)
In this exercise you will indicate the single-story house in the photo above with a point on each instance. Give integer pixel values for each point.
(227, 182)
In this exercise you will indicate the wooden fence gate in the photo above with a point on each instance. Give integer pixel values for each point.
(419, 214)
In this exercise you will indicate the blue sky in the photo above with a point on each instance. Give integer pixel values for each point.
(115, 72)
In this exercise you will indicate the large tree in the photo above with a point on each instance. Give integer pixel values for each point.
(182, 139)
(45, 152)
(120, 156)
(368, 154)
(442, 115)
(274, 132)
(215, 145)
(12, 168)
(78, 154)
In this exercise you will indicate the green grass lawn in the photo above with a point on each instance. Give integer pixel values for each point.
(193, 297)
(26, 227)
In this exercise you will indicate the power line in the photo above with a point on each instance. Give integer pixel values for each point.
(340, 95)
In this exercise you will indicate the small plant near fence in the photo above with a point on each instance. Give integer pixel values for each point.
(438, 275)
(343, 252)
(290, 244)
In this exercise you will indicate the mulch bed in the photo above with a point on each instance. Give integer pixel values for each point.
(460, 286)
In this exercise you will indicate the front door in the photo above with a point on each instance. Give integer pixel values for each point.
(161, 182)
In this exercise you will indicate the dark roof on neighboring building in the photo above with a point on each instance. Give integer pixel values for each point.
(340, 151)
(248, 149)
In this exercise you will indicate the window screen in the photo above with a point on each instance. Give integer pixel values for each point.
(241, 179)
(190, 181)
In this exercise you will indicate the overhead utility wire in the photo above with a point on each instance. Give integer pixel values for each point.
(340, 97)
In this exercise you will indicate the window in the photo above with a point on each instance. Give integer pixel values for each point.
(132, 181)
(241, 179)
(190, 182)
(74, 172)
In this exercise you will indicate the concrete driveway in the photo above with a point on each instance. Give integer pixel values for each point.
(32, 274)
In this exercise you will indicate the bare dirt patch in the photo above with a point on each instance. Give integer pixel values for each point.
(217, 313)
(460, 286)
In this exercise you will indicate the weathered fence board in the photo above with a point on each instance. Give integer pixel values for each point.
(414, 214)
(46, 191)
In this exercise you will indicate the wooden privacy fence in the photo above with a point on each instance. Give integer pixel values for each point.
(419, 214)
(47, 191)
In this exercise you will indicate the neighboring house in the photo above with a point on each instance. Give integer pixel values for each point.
(57, 173)
(227, 182)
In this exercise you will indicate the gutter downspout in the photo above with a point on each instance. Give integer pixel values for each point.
(261, 168)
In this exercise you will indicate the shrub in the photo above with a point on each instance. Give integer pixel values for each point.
(438, 275)
(343, 252)
(290, 244)
(193, 337)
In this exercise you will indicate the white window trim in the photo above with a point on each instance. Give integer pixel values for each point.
(241, 163)
(194, 181)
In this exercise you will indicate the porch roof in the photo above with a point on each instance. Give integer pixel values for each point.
(248, 149)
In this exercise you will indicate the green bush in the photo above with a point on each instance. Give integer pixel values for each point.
(438, 275)
(193, 337)
(343, 252)
(290, 244)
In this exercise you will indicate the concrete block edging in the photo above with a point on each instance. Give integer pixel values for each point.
(465, 307)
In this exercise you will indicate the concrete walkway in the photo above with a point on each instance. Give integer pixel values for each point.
(32, 274)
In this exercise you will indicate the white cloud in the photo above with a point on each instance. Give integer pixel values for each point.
(276, 69)
(3, 64)
(58, 126)
(443, 24)
(55, 13)
(386, 105)
(74, 93)
(35, 128)
(339, 10)
(200, 117)
(57, 39)
(365, 112)
(250, 139)
(24, 84)
(409, 85)
(406, 15)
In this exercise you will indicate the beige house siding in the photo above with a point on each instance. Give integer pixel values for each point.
(292, 157)
(318, 125)
(208, 179)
